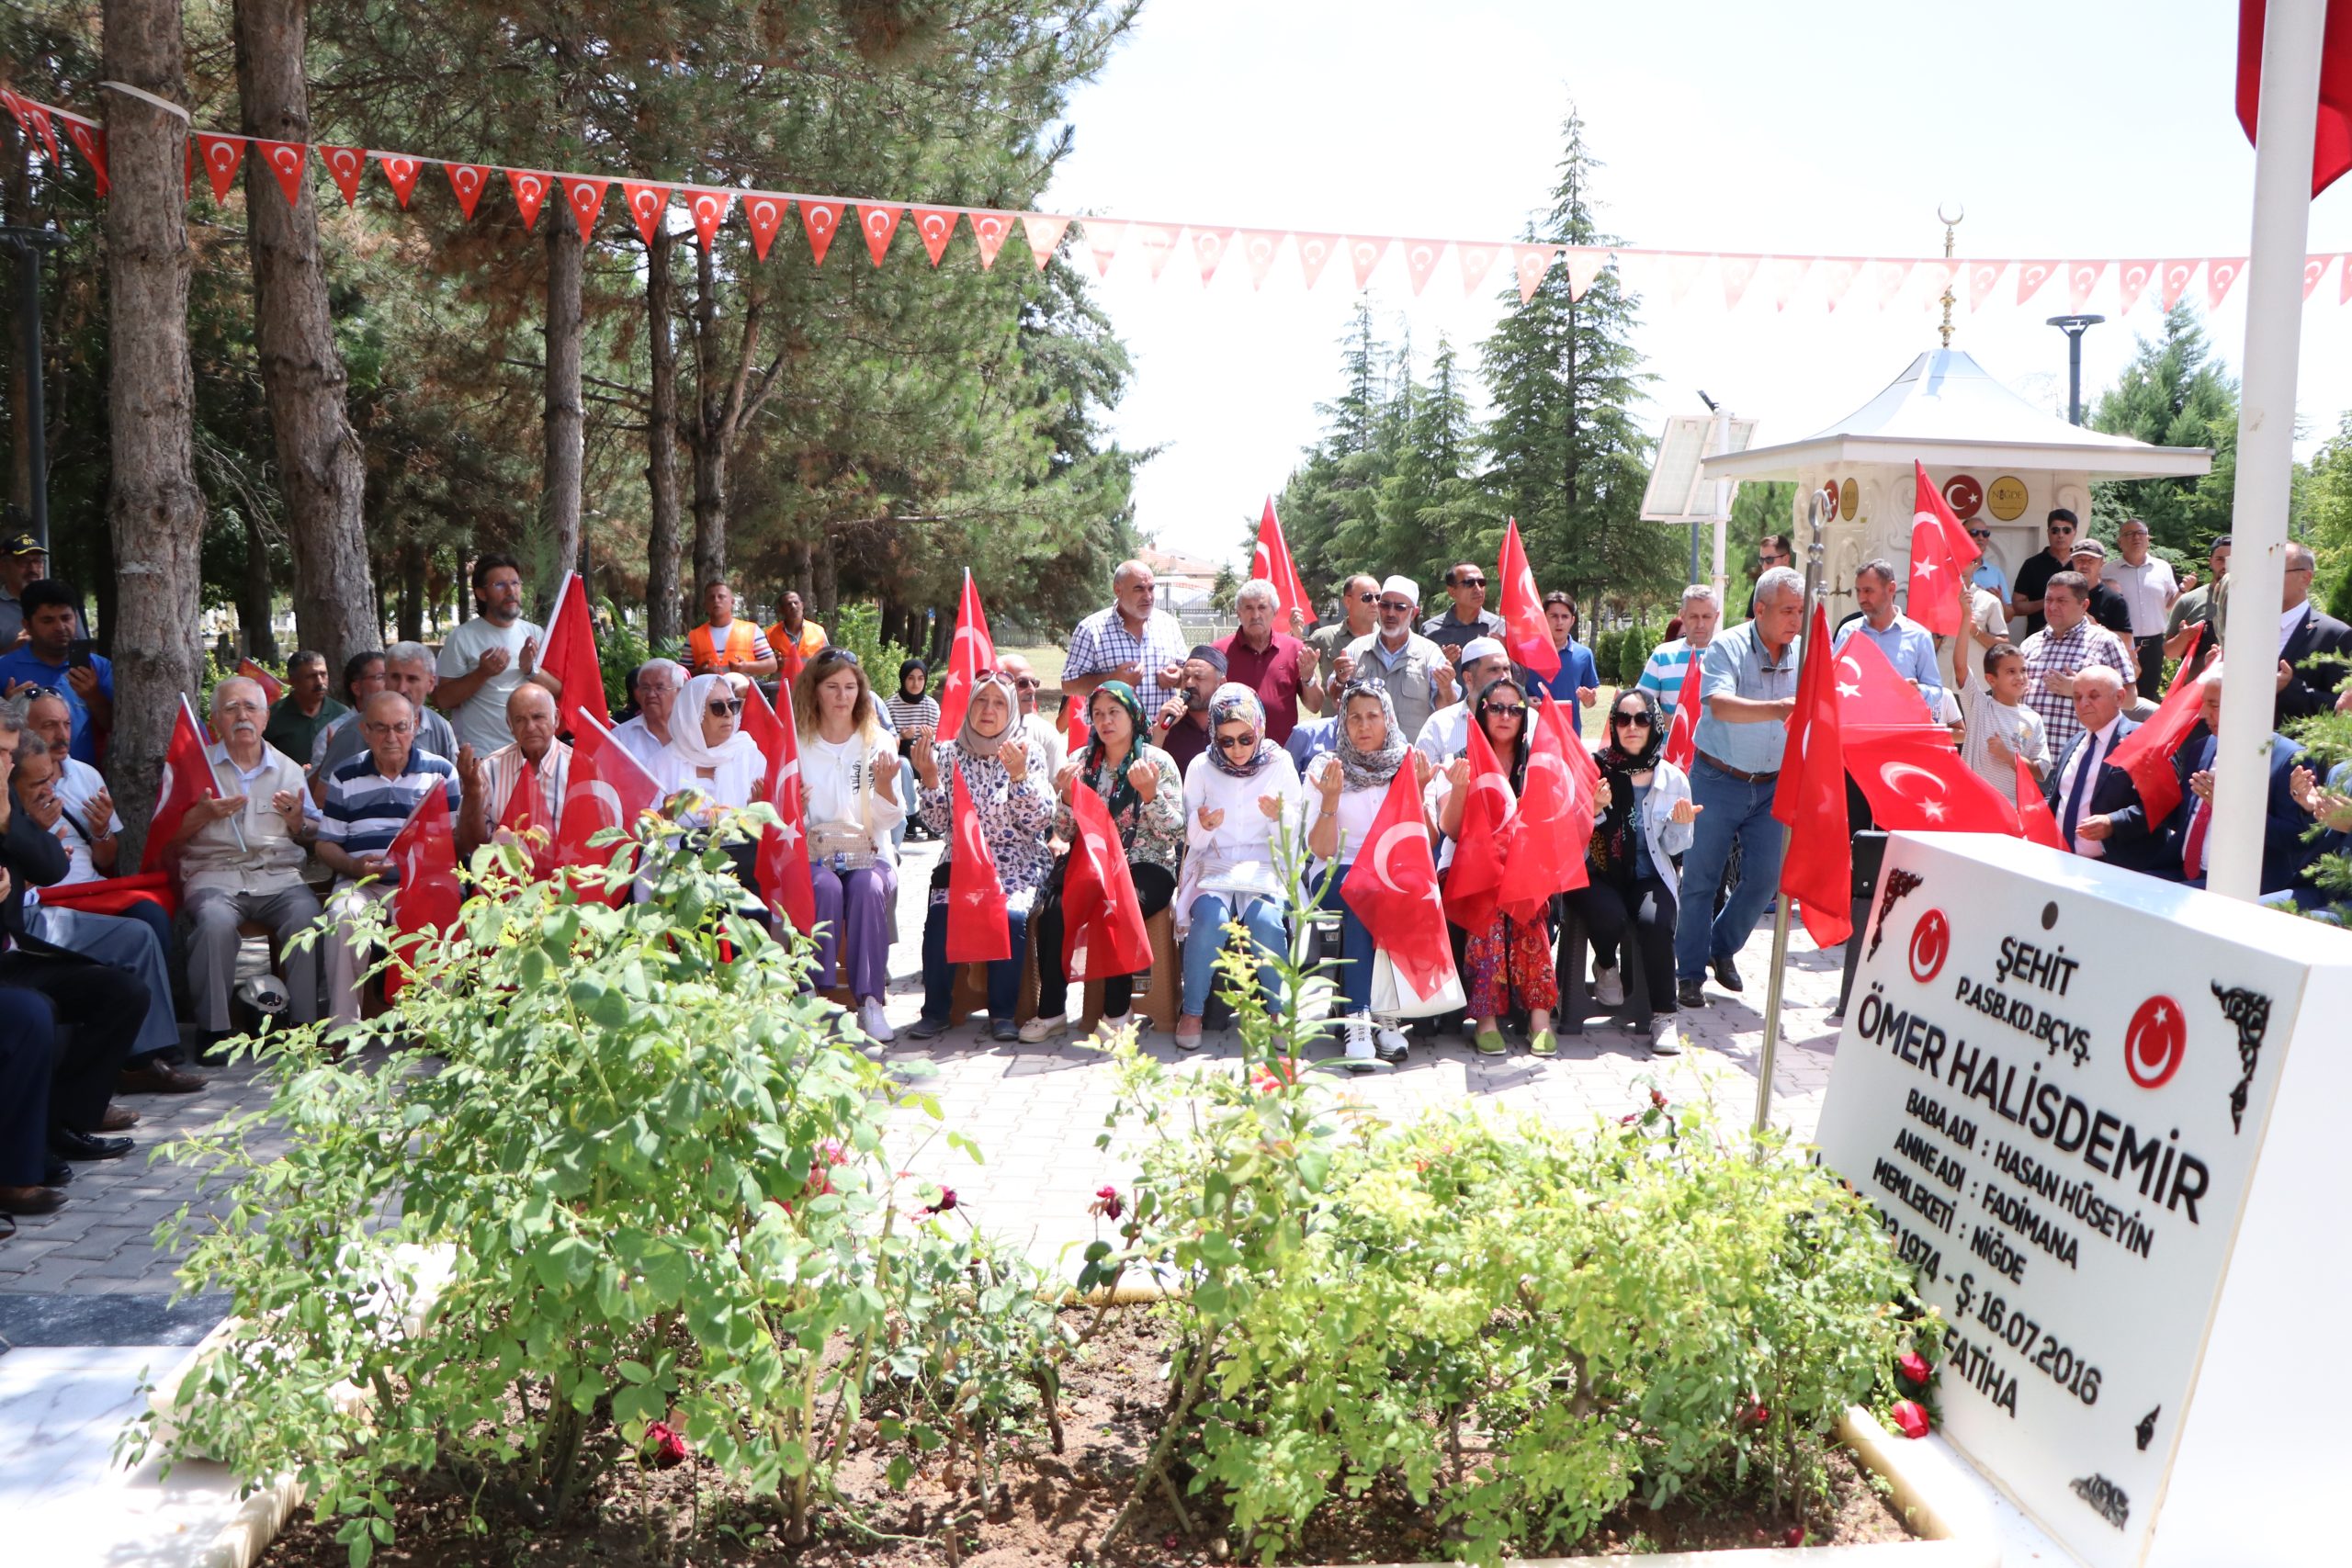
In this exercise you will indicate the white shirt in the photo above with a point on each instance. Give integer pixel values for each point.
(1040, 728)
(2082, 776)
(1355, 809)
(2290, 621)
(2019, 729)
(1445, 734)
(73, 787)
(1985, 610)
(639, 742)
(1244, 837)
(837, 781)
(482, 723)
(2149, 589)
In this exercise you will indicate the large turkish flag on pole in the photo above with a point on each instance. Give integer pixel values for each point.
(1817, 867)
(1526, 634)
(976, 931)
(2332, 137)
(1392, 888)
(1488, 841)
(188, 778)
(1099, 901)
(1941, 552)
(1554, 823)
(1919, 781)
(571, 658)
(1271, 562)
(972, 652)
(782, 863)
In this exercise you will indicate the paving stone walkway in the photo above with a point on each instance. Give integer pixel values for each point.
(1035, 1111)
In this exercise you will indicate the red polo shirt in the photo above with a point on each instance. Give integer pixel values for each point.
(1273, 675)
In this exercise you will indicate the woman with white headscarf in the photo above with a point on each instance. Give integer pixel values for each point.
(1236, 794)
(1003, 769)
(1346, 788)
(711, 766)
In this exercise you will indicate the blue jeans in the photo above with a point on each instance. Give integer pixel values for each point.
(1356, 949)
(1263, 917)
(939, 976)
(1733, 811)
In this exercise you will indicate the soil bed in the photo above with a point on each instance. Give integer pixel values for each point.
(1043, 1508)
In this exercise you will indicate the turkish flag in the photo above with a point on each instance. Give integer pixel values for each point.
(272, 688)
(2034, 818)
(2332, 139)
(972, 653)
(1392, 888)
(1489, 837)
(1554, 823)
(1271, 560)
(1940, 552)
(571, 657)
(976, 931)
(1917, 782)
(606, 788)
(425, 855)
(526, 820)
(1682, 735)
(2147, 752)
(188, 778)
(113, 894)
(1872, 700)
(1077, 733)
(1817, 867)
(782, 863)
(1526, 633)
(1099, 901)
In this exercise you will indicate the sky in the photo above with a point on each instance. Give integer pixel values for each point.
(2081, 129)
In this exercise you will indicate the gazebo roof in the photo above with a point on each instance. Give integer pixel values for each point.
(1947, 411)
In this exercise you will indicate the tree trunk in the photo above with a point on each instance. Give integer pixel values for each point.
(412, 589)
(662, 624)
(710, 434)
(16, 201)
(823, 592)
(254, 592)
(563, 426)
(302, 374)
(154, 510)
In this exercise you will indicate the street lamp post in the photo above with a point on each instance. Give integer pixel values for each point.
(2074, 327)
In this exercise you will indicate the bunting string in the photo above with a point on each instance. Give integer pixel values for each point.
(1883, 282)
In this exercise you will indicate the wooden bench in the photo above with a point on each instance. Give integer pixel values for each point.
(1158, 990)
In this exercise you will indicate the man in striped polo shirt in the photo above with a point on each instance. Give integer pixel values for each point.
(367, 800)
(1670, 663)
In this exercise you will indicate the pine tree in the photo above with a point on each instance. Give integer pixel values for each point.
(1570, 461)
(1435, 509)
(2174, 393)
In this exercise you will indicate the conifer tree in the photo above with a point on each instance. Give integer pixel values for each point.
(2174, 393)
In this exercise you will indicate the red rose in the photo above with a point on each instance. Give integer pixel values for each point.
(1756, 1413)
(1658, 1099)
(1108, 1204)
(668, 1447)
(947, 1201)
(1911, 1417)
(1914, 1365)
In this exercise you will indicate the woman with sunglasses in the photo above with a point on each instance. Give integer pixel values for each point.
(1350, 784)
(852, 797)
(1003, 769)
(1644, 815)
(1511, 955)
(711, 766)
(1145, 796)
(1236, 792)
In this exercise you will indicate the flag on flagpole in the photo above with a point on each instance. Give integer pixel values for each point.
(972, 653)
(1941, 553)
(1526, 632)
(188, 778)
(1392, 888)
(1817, 865)
(571, 658)
(782, 863)
(976, 931)
(1682, 735)
(605, 788)
(1102, 915)
(273, 690)
(1271, 562)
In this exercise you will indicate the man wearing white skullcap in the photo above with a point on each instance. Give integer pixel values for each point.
(1448, 730)
(1419, 677)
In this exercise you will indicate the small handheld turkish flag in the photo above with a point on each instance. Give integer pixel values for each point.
(1940, 552)
(1488, 840)
(1917, 781)
(188, 778)
(425, 858)
(1099, 901)
(571, 658)
(1872, 700)
(2147, 752)
(1526, 633)
(273, 690)
(782, 864)
(972, 652)
(2033, 808)
(1554, 822)
(976, 931)
(1392, 888)
(605, 787)
(1271, 562)
(526, 820)
(1682, 735)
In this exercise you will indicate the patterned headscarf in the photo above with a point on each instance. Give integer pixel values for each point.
(1374, 769)
(1120, 795)
(970, 741)
(1235, 701)
(1614, 756)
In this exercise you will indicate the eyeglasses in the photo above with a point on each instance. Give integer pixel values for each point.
(1367, 598)
(1470, 583)
(1237, 742)
(1512, 710)
(725, 706)
(2061, 528)
(1980, 532)
(1638, 720)
(1027, 683)
(1401, 606)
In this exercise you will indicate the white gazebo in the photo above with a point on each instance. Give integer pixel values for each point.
(1999, 459)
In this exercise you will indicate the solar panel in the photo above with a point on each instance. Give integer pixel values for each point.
(1676, 493)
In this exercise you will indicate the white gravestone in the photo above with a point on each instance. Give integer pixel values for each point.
(2107, 1118)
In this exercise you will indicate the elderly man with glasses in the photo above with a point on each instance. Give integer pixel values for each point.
(1416, 672)
(2312, 645)
(656, 686)
(2033, 577)
(2149, 589)
(1358, 617)
(1035, 725)
(367, 800)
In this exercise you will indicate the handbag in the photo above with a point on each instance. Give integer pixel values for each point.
(1394, 997)
(845, 844)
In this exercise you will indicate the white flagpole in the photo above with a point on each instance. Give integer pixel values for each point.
(2274, 309)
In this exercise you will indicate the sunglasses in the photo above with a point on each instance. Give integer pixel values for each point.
(1639, 720)
(1237, 742)
(1400, 607)
(1031, 684)
(1367, 598)
(1516, 710)
(726, 706)
(2061, 528)
(1470, 583)
(1980, 532)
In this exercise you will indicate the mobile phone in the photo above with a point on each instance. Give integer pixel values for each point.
(78, 651)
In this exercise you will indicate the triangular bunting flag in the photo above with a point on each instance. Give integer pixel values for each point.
(990, 230)
(1531, 264)
(1681, 271)
(585, 197)
(1981, 276)
(2082, 277)
(879, 224)
(2132, 280)
(1421, 259)
(821, 220)
(1894, 272)
(1313, 251)
(90, 141)
(1159, 242)
(220, 156)
(2176, 276)
(530, 194)
(1788, 273)
(1585, 265)
(1103, 237)
(1738, 273)
(286, 159)
(1258, 248)
(1208, 249)
(708, 209)
(764, 212)
(345, 165)
(1364, 255)
(1044, 232)
(2315, 268)
(2220, 273)
(1838, 275)
(935, 226)
(648, 206)
(1476, 262)
(2031, 276)
(467, 180)
(400, 172)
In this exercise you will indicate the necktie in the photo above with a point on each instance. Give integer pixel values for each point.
(2081, 792)
(2192, 853)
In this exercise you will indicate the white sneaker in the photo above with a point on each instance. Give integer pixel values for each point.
(1037, 1027)
(870, 1018)
(1608, 987)
(1106, 1027)
(1666, 1040)
(1361, 1054)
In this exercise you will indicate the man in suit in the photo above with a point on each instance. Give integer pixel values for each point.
(2308, 636)
(2099, 808)
(2285, 822)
